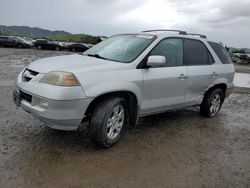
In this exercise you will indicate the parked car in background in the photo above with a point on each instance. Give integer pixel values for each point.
(28, 39)
(46, 45)
(77, 47)
(27, 42)
(9, 41)
(112, 85)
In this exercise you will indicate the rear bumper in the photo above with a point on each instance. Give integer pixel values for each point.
(230, 89)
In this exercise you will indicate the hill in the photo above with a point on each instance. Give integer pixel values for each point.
(76, 38)
(36, 32)
(33, 32)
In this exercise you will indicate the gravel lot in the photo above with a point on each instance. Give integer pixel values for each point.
(174, 149)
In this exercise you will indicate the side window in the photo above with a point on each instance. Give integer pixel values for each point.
(10, 39)
(196, 53)
(221, 52)
(3, 38)
(172, 49)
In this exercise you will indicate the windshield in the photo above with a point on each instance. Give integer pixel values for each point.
(121, 48)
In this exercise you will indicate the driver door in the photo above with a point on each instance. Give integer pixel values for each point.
(164, 87)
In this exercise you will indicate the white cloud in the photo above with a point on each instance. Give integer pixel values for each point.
(226, 20)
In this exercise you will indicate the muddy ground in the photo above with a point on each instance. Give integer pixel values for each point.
(174, 149)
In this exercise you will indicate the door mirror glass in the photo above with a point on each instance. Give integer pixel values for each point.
(156, 61)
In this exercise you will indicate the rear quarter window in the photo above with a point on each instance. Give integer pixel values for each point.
(221, 52)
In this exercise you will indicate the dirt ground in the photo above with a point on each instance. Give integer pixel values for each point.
(174, 149)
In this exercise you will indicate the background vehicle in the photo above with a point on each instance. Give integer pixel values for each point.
(126, 77)
(26, 41)
(45, 44)
(77, 47)
(8, 41)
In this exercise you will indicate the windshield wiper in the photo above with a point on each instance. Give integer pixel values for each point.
(96, 56)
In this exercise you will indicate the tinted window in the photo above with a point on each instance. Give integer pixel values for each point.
(3, 38)
(172, 49)
(196, 53)
(221, 52)
(42, 41)
(10, 39)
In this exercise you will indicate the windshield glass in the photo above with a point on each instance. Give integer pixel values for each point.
(121, 48)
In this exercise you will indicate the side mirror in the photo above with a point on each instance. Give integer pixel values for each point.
(156, 61)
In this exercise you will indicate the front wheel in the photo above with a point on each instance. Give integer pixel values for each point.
(212, 102)
(108, 121)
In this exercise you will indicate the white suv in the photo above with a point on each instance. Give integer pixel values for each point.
(125, 77)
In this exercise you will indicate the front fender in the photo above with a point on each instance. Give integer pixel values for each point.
(100, 89)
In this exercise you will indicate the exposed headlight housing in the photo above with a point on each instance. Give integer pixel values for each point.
(60, 78)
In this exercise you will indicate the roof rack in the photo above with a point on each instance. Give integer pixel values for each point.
(196, 34)
(173, 30)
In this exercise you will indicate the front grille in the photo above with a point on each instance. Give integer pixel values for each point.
(25, 96)
(28, 75)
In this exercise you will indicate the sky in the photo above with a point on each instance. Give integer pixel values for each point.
(226, 21)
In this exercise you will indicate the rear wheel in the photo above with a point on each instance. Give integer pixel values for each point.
(108, 121)
(57, 48)
(212, 102)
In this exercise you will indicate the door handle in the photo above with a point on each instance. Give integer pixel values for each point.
(182, 76)
(214, 74)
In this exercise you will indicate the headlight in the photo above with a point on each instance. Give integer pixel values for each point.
(60, 79)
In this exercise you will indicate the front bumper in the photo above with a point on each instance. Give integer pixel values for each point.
(61, 108)
(61, 115)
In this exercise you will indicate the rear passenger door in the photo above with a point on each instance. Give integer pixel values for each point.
(199, 62)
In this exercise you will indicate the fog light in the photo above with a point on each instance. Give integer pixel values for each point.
(43, 103)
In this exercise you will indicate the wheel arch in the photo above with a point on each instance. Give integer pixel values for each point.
(131, 99)
(222, 86)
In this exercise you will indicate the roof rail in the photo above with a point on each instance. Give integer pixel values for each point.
(196, 34)
(173, 30)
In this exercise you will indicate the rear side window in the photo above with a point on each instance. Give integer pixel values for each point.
(221, 52)
(196, 53)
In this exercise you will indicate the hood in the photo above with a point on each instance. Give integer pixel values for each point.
(72, 63)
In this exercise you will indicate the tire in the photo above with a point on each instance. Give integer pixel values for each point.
(106, 125)
(212, 103)
(57, 48)
(73, 50)
(39, 47)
